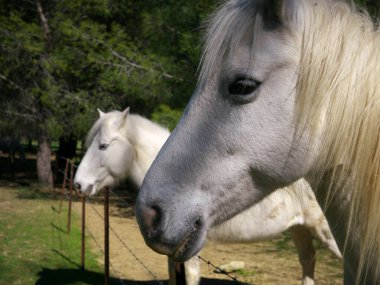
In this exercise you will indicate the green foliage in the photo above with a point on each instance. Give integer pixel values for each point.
(98, 54)
(96, 58)
(166, 116)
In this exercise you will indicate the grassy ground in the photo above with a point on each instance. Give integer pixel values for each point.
(34, 245)
(35, 248)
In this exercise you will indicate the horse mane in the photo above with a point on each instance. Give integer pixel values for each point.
(338, 97)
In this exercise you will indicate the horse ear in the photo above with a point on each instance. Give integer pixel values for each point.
(101, 113)
(124, 117)
(126, 112)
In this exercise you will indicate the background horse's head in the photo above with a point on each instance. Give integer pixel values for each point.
(109, 155)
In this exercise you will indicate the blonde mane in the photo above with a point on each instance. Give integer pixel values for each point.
(338, 97)
(339, 81)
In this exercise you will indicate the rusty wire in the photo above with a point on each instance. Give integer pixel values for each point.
(127, 247)
(88, 201)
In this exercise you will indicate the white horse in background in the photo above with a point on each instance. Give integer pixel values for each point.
(122, 145)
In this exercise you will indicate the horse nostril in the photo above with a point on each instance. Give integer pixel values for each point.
(198, 224)
(77, 186)
(151, 217)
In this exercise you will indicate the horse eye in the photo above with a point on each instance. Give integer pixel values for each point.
(103, 146)
(243, 86)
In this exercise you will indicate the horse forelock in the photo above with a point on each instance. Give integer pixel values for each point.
(234, 22)
(96, 128)
(93, 131)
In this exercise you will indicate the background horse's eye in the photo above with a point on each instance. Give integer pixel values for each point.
(103, 146)
(243, 86)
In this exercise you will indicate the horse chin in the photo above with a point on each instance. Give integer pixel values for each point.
(190, 246)
(107, 183)
(93, 191)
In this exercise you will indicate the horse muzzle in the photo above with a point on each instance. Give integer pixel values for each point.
(83, 188)
(178, 236)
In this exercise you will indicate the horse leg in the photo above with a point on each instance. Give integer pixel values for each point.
(303, 240)
(192, 271)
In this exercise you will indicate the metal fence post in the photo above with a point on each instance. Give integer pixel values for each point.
(83, 232)
(106, 238)
(180, 276)
(64, 184)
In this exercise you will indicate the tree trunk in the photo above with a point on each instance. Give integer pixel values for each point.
(44, 172)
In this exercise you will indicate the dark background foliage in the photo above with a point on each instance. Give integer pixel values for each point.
(62, 59)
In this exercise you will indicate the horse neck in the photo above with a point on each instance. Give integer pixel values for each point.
(147, 139)
(339, 83)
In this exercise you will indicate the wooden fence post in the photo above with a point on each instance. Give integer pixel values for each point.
(70, 196)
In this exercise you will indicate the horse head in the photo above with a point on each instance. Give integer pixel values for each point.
(237, 141)
(109, 155)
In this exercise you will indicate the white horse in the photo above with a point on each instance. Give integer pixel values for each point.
(122, 145)
(287, 89)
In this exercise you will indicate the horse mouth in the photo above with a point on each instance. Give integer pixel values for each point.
(190, 246)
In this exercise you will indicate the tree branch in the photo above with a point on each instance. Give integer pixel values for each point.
(133, 64)
(137, 66)
(11, 82)
(27, 116)
(45, 26)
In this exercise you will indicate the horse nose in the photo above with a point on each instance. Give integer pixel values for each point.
(168, 236)
(153, 225)
(77, 186)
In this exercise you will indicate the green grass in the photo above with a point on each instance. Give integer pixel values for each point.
(245, 273)
(34, 245)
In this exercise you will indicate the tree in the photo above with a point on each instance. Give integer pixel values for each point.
(62, 59)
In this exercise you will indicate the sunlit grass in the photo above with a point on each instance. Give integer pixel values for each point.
(34, 245)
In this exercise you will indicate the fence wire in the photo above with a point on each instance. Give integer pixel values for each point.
(102, 251)
(126, 246)
(67, 181)
(208, 262)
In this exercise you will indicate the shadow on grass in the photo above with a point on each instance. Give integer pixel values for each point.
(75, 275)
(34, 192)
(72, 276)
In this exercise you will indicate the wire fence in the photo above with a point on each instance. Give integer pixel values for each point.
(67, 194)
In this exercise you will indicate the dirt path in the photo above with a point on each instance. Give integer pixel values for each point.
(269, 262)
